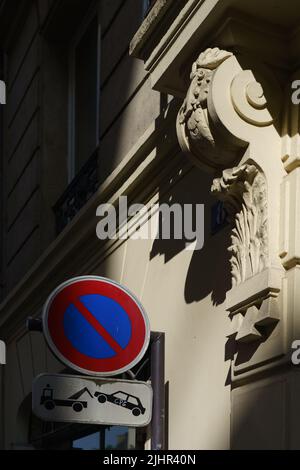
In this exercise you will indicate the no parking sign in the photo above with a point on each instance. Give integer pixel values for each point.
(95, 326)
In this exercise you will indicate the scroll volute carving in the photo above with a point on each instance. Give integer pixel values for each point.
(224, 107)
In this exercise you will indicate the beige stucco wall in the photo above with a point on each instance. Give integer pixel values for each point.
(186, 307)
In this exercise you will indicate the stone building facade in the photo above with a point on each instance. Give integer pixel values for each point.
(173, 101)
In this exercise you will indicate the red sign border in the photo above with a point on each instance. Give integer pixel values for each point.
(62, 348)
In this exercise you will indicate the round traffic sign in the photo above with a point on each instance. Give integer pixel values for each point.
(95, 326)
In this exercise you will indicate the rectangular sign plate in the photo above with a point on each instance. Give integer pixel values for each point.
(81, 399)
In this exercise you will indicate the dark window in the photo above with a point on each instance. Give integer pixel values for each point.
(47, 435)
(83, 121)
(110, 438)
(148, 4)
(84, 96)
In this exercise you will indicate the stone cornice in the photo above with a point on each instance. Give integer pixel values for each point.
(227, 24)
(149, 27)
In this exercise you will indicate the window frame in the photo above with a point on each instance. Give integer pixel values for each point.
(147, 6)
(90, 16)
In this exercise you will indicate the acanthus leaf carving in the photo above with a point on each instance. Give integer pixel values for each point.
(244, 193)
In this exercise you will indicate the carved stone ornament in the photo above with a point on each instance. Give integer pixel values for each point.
(244, 192)
(253, 324)
(221, 92)
(194, 129)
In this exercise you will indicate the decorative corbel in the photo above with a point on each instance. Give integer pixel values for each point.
(227, 125)
(225, 108)
(196, 134)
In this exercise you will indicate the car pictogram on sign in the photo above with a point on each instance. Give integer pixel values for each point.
(122, 399)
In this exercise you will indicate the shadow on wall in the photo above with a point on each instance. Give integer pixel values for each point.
(209, 269)
(129, 110)
(23, 420)
(261, 414)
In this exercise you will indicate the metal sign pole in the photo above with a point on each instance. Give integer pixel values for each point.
(2, 353)
(2, 92)
(2, 363)
(158, 386)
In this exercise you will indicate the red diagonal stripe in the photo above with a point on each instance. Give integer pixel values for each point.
(97, 326)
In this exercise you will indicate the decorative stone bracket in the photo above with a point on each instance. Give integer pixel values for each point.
(225, 108)
(196, 134)
(228, 125)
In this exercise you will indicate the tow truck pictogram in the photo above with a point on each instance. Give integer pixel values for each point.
(49, 402)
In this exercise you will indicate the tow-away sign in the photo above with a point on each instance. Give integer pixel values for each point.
(73, 398)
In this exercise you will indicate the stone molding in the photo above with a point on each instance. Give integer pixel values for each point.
(290, 129)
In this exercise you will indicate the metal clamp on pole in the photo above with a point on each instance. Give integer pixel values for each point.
(34, 324)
